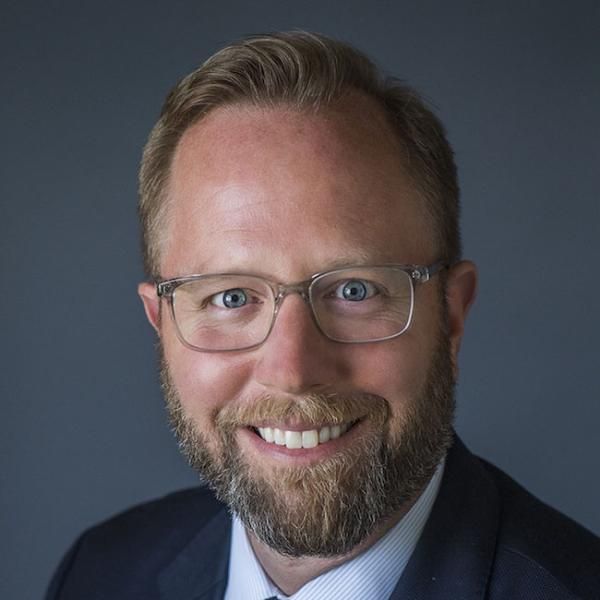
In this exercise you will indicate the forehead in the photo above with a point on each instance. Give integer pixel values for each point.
(283, 189)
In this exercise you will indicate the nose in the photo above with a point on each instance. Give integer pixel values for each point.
(296, 357)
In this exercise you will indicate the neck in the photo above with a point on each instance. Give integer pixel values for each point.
(289, 574)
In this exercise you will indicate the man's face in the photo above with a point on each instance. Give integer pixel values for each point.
(283, 194)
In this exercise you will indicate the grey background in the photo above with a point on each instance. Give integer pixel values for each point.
(82, 428)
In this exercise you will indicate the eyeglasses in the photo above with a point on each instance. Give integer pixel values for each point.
(352, 305)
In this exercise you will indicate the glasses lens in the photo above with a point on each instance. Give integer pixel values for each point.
(363, 304)
(228, 312)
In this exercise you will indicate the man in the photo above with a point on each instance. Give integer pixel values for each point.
(300, 223)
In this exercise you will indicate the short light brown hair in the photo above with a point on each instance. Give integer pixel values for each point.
(304, 71)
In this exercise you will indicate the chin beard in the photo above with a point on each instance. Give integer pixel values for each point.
(328, 508)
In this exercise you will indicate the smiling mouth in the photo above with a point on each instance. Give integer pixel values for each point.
(309, 438)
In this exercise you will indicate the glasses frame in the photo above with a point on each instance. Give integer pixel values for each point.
(418, 274)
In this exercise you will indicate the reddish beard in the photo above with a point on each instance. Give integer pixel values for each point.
(328, 508)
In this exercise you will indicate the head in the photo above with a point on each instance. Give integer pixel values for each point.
(284, 156)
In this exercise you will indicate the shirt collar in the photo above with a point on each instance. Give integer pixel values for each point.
(372, 574)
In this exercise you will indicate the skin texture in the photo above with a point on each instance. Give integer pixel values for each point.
(285, 194)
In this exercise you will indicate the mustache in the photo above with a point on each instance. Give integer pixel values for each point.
(311, 409)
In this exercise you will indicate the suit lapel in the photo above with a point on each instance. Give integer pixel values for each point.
(454, 556)
(199, 572)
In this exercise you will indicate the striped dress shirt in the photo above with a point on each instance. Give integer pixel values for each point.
(372, 574)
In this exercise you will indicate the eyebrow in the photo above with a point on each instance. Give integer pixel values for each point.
(356, 258)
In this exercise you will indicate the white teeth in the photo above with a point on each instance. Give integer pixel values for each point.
(293, 439)
(309, 438)
(324, 435)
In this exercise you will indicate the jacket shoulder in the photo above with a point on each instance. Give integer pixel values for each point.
(541, 544)
(159, 525)
(127, 551)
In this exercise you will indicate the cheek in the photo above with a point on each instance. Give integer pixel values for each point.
(394, 369)
(205, 382)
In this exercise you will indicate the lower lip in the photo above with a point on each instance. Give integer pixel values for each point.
(300, 455)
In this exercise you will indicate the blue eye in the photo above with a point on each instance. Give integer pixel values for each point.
(355, 290)
(234, 298)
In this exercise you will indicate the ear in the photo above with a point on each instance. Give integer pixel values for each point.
(147, 293)
(461, 290)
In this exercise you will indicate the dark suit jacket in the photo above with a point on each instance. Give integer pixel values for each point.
(486, 538)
